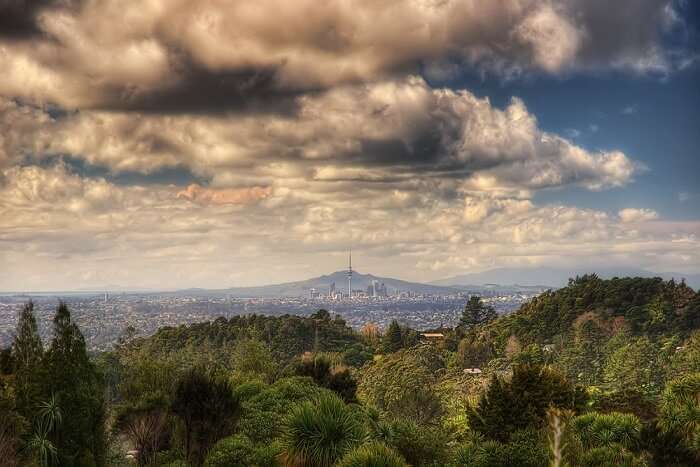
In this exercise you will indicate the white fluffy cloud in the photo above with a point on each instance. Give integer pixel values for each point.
(391, 133)
(637, 215)
(90, 227)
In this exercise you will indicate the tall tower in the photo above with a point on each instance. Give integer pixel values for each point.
(350, 274)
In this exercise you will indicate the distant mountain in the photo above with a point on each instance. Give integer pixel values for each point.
(322, 285)
(555, 277)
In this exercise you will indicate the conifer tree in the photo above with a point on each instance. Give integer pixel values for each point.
(80, 394)
(476, 312)
(393, 338)
(27, 348)
(521, 402)
(27, 352)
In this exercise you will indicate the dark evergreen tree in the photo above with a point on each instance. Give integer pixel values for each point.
(27, 354)
(476, 312)
(27, 348)
(393, 338)
(208, 410)
(337, 378)
(74, 382)
(521, 402)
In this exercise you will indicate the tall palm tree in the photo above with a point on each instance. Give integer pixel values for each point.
(40, 446)
(50, 413)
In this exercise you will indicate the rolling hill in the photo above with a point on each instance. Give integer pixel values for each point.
(322, 284)
(555, 277)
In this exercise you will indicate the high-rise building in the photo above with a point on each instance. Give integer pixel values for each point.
(381, 290)
(374, 289)
(331, 290)
(350, 274)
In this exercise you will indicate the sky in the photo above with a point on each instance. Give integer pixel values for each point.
(178, 143)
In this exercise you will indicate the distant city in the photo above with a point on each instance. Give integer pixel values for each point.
(104, 317)
(357, 298)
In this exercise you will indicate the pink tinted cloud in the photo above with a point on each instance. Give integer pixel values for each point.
(204, 195)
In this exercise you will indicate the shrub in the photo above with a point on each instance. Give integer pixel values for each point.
(319, 433)
(610, 456)
(526, 449)
(606, 430)
(249, 389)
(234, 451)
(263, 414)
(679, 411)
(372, 454)
(418, 444)
(268, 454)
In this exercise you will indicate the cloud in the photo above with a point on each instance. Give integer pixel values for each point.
(629, 110)
(389, 133)
(19, 18)
(146, 235)
(212, 55)
(637, 215)
(304, 127)
(684, 196)
(203, 195)
(573, 133)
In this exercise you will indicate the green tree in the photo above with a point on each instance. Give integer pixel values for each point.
(234, 451)
(208, 410)
(526, 448)
(27, 347)
(42, 450)
(679, 411)
(634, 365)
(403, 384)
(476, 312)
(393, 338)
(608, 430)
(79, 390)
(27, 353)
(320, 433)
(686, 358)
(474, 351)
(420, 445)
(521, 402)
(266, 408)
(252, 359)
(584, 358)
(337, 378)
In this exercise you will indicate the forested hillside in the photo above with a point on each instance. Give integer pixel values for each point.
(599, 373)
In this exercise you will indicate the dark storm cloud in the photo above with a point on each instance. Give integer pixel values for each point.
(200, 90)
(209, 56)
(18, 18)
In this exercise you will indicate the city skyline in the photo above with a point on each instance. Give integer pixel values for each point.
(170, 145)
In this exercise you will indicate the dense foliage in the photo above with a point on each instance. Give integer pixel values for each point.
(599, 373)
